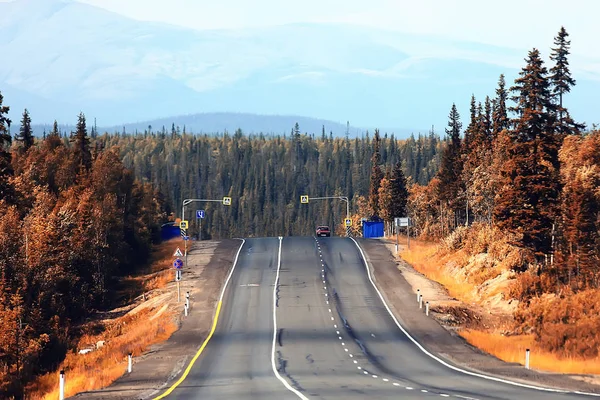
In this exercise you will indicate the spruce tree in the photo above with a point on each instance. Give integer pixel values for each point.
(562, 82)
(451, 164)
(25, 136)
(81, 144)
(500, 119)
(487, 119)
(376, 176)
(471, 130)
(399, 191)
(528, 199)
(6, 170)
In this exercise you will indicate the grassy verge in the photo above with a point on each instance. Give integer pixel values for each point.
(425, 258)
(133, 333)
(512, 349)
(422, 255)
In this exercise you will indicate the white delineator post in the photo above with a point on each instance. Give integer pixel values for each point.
(421, 302)
(427, 308)
(527, 358)
(129, 362)
(61, 385)
(418, 295)
(185, 309)
(187, 299)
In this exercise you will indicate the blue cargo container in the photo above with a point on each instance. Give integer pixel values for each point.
(372, 229)
(169, 231)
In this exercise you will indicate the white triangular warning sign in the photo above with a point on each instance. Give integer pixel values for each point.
(178, 253)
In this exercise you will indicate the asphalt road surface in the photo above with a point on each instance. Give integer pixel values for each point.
(322, 332)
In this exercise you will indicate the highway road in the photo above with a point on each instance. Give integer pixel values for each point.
(322, 332)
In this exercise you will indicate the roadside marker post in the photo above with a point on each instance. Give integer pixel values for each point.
(129, 362)
(187, 299)
(421, 302)
(418, 294)
(61, 385)
(427, 308)
(527, 358)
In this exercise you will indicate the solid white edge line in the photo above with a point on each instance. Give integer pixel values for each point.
(232, 269)
(491, 378)
(285, 383)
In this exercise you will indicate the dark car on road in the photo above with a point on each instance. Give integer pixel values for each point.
(323, 230)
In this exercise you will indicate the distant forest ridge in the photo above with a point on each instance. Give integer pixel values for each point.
(212, 123)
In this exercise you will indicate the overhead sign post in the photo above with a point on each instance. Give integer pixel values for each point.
(304, 199)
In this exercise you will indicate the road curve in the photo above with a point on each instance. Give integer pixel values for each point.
(321, 332)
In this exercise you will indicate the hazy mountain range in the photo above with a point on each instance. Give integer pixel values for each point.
(229, 122)
(61, 57)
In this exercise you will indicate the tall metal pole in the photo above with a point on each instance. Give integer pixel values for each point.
(342, 198)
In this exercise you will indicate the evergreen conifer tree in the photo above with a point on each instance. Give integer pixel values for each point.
(25, 136)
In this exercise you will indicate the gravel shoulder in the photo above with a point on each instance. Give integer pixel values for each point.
(399, 282)
(209, 263)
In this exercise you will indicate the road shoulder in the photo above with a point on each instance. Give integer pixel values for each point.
(154, 371)
(392, 277)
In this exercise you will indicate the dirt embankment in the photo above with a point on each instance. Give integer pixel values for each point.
(439, 332)
(143, 327)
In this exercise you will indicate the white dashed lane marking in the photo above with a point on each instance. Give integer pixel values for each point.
(372, 335)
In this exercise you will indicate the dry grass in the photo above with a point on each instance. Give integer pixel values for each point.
(133, 333)
(424, 257)
(512, 349)
(97, 369)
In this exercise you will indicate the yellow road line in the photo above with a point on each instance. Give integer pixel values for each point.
(189, 367)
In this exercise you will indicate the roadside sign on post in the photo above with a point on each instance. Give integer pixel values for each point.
(304, 199)
(226, 201)
(183, 225)
(348, 222)
(402, 222)
(178, 253)
(200, 214)
(178, 264)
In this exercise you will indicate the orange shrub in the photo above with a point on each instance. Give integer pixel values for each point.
(566, 325)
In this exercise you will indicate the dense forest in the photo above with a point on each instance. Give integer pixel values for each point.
(266, 175)
(72, 218)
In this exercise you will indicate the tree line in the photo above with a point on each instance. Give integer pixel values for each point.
(525, 168)
(72, 219)
(266, 174)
